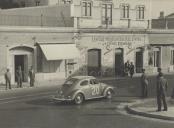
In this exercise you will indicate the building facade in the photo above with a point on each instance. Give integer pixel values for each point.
(100, 37)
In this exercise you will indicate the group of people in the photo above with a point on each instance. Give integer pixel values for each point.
(161, 88)
(19, 77)
(129, 69)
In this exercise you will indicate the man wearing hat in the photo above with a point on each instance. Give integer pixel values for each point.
(161, 90)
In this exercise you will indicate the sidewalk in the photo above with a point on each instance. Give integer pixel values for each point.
(25, 85)
(148, 107)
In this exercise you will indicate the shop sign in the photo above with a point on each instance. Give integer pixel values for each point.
(112, 41)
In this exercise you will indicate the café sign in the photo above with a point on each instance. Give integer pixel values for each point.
(111, 41)
(118, 39)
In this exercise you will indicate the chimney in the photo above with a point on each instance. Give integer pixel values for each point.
(161, 15)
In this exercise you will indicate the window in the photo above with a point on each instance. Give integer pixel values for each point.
(37, 3)
(83, 83)
(140, 12)
(156, 58)
(172, 57)
(125, 11)
(106, 13)
(86, 8)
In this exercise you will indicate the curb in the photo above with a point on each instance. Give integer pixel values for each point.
(130, 110)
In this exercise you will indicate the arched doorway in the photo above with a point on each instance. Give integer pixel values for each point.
(94, 61)
(139, 60)
(119, 64)
(21, 56)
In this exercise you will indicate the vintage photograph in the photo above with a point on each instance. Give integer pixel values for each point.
(86, 63)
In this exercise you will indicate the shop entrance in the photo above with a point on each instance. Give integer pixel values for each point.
(94, 62)
(119, 65)
(139, 61)
(21, 60)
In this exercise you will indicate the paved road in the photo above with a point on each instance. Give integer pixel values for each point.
(33, 108)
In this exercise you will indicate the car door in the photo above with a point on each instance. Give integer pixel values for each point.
(85, 88)
(95, 88)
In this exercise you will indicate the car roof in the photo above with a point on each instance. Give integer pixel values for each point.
(83, 77)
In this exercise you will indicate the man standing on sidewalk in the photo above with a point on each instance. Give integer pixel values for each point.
(144, 84)
(7, 76)
(31, 76)
(161, 90)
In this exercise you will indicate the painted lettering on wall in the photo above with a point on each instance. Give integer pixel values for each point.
(118, 38)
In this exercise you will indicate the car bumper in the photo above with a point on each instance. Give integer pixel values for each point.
(62, 99)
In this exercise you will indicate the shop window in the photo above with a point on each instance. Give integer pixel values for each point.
(106, 13)
(172, 57)
(86, 8)
(156, 58)
(124, 11)
(140, 12)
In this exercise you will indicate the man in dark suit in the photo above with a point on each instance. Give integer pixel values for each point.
(7, 76)
(161, 91)
(19, 77)
(31, 76)
(131, 69)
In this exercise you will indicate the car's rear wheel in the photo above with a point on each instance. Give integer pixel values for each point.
(109, 94)
(79, 98)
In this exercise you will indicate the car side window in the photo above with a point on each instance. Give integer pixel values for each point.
(94, 81)
(83, 83)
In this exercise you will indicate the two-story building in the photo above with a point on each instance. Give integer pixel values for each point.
(94, 37)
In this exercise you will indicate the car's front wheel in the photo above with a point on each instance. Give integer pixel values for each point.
(79, 98)
(109, 94)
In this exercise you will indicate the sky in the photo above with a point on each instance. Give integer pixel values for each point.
(162, 5)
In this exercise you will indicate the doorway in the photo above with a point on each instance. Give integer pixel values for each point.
(21, 60)
(119, 65)
(139, 61)
(94, 62)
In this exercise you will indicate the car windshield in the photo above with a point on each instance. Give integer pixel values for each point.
(71, 81)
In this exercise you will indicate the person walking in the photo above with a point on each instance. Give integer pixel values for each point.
(31, 76)
(19, 77)
(144, 84)
(161, 91)
(7, 76)
(131, 69)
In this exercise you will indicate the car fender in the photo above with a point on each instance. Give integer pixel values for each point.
(106, 89)
(76, 92)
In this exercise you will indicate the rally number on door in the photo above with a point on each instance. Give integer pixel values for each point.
(95, 91)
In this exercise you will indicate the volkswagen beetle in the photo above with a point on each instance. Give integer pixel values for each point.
(81, 88)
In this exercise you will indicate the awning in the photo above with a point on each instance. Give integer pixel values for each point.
(60, 51)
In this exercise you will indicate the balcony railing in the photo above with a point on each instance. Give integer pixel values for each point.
(21, 20)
